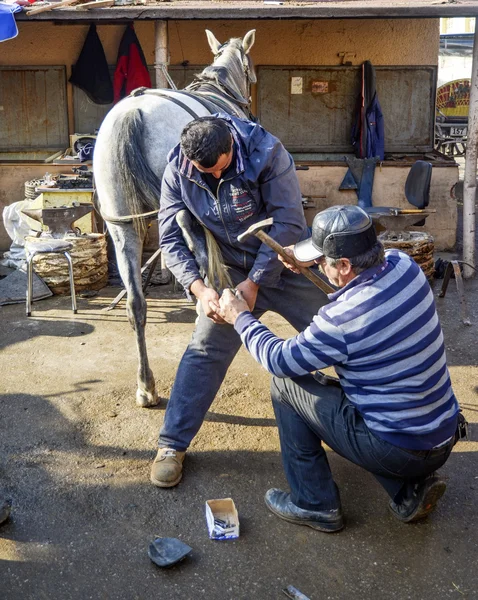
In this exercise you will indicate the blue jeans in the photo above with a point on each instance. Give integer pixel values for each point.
(207, 358)
(308, 413)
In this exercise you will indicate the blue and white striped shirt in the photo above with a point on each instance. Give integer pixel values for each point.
(382, 334)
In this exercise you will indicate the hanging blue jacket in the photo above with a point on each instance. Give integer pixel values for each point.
(263, 183)
(375, 130)
(368, 133)
(8, 25)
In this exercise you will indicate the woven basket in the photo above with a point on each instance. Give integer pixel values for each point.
(30, 186)
(90, 265)
(420, 247)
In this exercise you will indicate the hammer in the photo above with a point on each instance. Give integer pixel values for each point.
(256, 230)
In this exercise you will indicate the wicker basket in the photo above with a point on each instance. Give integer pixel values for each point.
(30, 186)
(90, 265)
(420, 246)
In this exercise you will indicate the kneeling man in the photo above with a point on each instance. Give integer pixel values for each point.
(394, 413)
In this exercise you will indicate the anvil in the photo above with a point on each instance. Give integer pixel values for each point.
(59, 220)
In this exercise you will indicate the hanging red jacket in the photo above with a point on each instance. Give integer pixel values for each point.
(131, 70)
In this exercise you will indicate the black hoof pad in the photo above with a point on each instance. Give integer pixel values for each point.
(166, 552)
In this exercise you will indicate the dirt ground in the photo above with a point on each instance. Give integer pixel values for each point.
(75, 455)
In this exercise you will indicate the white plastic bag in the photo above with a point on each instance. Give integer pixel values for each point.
(17, 225)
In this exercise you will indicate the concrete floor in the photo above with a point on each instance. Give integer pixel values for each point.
(75, 454)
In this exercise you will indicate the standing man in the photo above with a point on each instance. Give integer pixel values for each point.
(395, 413)
(229, 173)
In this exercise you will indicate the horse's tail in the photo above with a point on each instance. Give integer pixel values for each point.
(217, 272)
(141, 187)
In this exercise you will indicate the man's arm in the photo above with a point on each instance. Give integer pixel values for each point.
(320, 345)
(249, 289)
(280, 192)
(179, 259)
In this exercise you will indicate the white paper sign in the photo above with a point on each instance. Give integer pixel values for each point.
(296, 85)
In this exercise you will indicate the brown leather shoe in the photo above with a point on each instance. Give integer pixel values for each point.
(167, 468)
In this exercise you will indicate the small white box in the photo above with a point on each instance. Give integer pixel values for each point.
(222, 519)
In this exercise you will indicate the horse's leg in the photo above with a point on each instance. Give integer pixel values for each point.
(206, 251)
(195, 239)
(128, 247)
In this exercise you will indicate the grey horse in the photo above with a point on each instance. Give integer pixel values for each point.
(130, 157)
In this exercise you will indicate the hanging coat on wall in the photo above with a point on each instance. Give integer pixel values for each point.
(368, 128)
(8, 25)
(91, 73)
(131, 69)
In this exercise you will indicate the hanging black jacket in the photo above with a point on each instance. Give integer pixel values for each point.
(91, 73)
(368, 128)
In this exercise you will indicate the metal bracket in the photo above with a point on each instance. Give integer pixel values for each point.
(454, 266)
(167, 76)
(151, 263)
(346, 57)
(291, 592)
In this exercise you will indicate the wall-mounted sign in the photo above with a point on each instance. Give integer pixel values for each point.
(296, 85)
(320, 87)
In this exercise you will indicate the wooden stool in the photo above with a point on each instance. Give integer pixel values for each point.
(45, 246)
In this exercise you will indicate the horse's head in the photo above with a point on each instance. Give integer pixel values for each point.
(233, 56)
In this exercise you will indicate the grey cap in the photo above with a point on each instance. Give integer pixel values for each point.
(338, 232)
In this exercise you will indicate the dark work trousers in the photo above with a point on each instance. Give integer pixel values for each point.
(207, 358)
(309, 413)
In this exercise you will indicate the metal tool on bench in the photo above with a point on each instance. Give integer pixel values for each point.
(396, 221)
(59, 220)
(257, 230)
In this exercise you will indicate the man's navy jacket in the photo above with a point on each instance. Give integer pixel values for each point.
(262, 184)
(368, 130)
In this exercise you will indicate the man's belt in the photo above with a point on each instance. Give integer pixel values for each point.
(433, 452)
(461, 433)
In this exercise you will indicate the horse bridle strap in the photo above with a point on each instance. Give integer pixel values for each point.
(207, 105)
(215, 103)
(142, 90)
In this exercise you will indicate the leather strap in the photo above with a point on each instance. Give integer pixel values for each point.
(155, 92)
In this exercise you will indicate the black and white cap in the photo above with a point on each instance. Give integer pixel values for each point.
(338, 232)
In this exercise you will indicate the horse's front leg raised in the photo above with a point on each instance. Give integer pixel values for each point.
(128, 249)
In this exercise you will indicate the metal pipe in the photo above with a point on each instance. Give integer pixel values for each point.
(161, 53)
(161, 62)
(72, 282)
(29, 282)
(469, 184)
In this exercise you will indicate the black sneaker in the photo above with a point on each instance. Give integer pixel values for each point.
(422, 502)
(280, 504)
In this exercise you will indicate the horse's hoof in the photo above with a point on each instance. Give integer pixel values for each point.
(145, 399)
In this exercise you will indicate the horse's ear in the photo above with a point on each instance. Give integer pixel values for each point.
(249, 40)
(213, 43)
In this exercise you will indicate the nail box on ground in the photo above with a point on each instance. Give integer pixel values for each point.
(222, 519)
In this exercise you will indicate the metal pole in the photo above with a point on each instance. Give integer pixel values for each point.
(161, 53)
(469, 184)
(161, 62)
